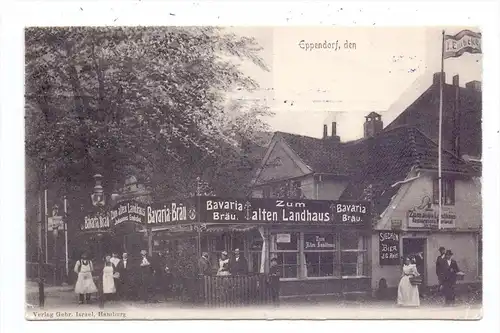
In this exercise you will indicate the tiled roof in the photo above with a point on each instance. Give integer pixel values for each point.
(377, 162)
(423, 114)
(322, 156)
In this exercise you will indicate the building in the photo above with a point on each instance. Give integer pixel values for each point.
(462, 116)
(395, 169)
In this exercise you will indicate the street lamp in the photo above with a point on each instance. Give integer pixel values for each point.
(97, 195)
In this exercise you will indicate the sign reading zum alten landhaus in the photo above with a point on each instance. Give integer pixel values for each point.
(265, 211)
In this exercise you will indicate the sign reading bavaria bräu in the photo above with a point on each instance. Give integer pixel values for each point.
(177, 212)
(223, 210)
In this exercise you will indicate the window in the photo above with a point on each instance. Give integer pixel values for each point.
(448, 191)
(320, 255)
(266, 192)
(284, 247)
(255, 248)
(296, 189)
(353, 256)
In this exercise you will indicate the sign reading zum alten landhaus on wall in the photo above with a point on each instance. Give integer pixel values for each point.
(253, 210)
(166, 213)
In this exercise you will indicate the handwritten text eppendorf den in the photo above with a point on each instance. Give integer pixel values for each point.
(282, 213)
(327, 45)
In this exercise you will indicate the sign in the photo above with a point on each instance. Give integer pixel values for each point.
(257, 210)
(320, 242)
(428, 218)
(95, 222)
(396, 224)
(55, 222)
(128, 211)
(283, 238)
(174, 212)
(388, 248)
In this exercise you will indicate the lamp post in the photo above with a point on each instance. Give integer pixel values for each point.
(99, 201)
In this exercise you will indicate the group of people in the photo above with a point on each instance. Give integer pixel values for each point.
(121, 278)
(238, 265)
(446, 270)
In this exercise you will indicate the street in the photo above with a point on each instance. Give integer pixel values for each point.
(61, 304)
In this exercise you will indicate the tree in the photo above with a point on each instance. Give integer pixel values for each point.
(148, 101)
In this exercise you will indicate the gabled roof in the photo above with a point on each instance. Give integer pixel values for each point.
(321, 155)
(375, 163)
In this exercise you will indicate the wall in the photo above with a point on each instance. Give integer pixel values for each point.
(467, 203)
(331, 189)
(280, 164)
(462, 240)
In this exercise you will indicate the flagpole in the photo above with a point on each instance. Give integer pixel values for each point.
(441, 84)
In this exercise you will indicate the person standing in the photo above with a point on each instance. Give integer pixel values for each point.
(274, 281)
(204, 266)
(124, 269)
(420, 265)
(223, 265)
(108, 279)
(449, 277)
(115, 261)
(440, 263)
(407, 292)
(146, 273)
(85, 285)
(239, 264)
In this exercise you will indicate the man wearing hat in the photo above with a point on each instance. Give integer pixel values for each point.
(449, 277)
(274, 281)
(146, 273)
(440, 265)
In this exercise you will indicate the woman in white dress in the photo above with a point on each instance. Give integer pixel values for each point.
(108, 280)
(85, 285)
(223, 265)
(408, 293)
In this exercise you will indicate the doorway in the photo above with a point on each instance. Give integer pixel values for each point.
(416, 247)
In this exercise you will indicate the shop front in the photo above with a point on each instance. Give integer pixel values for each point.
(412, 229)
(321, 246)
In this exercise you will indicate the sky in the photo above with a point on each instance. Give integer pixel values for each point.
(385, 72)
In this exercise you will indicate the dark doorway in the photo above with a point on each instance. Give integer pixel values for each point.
(415, 247)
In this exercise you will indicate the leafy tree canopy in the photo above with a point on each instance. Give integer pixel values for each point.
(148, 101)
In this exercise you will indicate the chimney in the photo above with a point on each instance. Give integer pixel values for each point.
(456, 81)
(373, 124)
(435, 78)
(334, 129)
(325, 131)
(474, 85)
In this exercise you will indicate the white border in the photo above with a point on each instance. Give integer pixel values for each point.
(14, 16)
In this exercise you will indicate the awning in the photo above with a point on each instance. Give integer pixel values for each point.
(210, 227)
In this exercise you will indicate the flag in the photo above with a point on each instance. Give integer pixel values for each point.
(464, 41)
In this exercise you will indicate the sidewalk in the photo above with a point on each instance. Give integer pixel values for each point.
(63, 299)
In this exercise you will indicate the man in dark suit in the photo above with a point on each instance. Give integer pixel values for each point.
(146, 272)
(124, 269)
(238, 265)
(449, 276)
(440, 265)
(274, 281)
(204, 267)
